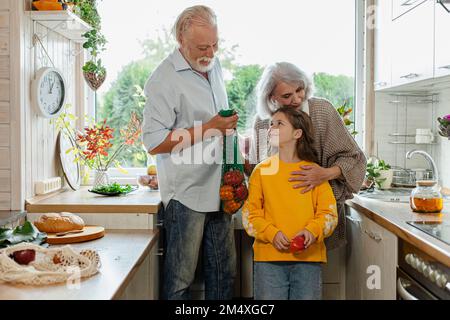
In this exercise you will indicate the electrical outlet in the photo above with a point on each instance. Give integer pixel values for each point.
(47, 186)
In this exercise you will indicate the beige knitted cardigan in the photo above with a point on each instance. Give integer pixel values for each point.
(335, 147)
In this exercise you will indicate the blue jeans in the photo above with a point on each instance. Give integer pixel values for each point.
(288, 280)
(185, 231)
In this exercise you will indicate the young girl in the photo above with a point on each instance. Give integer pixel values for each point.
(275, 213)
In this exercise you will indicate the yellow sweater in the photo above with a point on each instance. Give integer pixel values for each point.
(274, 205)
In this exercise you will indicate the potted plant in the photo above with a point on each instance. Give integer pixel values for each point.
(93, 70)
(444, 126)
(380, 173)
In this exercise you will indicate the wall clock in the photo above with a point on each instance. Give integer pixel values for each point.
(48, 92)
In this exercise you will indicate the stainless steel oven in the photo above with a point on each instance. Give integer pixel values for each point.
(419, 276)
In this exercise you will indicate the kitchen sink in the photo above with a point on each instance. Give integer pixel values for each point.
(389, 195)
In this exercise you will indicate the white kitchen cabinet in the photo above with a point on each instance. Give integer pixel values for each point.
(145, 282)
(413, 45)
(383, 45)
(354, 257)
(442, 36)
(380, 262)
(371, 260)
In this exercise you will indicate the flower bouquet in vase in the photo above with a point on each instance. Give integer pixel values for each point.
(92, 145)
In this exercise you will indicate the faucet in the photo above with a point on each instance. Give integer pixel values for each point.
(430, 160)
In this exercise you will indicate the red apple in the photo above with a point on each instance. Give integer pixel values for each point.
(24, 256)
(297, 244)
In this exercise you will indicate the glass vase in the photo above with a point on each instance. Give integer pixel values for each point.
(101, 177)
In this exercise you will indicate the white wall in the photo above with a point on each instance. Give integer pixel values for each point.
(5, 106)
(28, 142)
(41, 136)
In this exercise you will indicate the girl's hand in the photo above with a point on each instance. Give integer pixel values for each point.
(280, 241)
(309, 237)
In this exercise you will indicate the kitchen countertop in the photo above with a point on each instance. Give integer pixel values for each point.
(121, 253)
(142, 200)
(393, 216)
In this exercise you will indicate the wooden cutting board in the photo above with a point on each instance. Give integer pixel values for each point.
(88, 233)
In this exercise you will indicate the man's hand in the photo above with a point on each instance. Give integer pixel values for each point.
(223, 123)
(312, 176)
(280, 241)
(309, 237)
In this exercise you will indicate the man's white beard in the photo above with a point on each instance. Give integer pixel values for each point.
(201, 68)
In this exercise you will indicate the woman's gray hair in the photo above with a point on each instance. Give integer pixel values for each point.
(198, 15)
(274, 74)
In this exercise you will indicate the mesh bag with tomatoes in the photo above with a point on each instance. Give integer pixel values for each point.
(233, 189)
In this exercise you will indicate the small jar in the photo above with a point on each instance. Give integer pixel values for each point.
(426, 197)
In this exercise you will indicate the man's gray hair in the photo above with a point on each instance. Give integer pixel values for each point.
(271, 77)
(198, 15)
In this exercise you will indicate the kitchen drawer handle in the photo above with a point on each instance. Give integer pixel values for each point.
(410, 76)
(404, 294)
(354, 220)
(445, 67)
(374, 236)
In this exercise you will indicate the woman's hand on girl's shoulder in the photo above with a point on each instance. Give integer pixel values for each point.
(309, 176)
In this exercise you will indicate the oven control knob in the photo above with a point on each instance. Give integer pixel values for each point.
(409, 258)
(426, 269)
(414, 262)
(431, 274)
(420, 265)
(441, 280)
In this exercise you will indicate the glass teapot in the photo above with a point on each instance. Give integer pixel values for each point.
(426, 197)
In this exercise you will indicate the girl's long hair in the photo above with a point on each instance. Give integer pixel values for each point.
(304, 145)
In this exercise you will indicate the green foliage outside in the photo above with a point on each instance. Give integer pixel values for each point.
(339, 90)
(241, 93)
(126, 95)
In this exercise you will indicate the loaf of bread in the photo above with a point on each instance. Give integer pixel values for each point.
(59, 222)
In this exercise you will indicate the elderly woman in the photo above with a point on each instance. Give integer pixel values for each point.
(341, 161)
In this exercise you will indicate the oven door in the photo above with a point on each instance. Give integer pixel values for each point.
(409, 289)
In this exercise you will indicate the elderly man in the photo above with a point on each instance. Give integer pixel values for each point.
(184, 95)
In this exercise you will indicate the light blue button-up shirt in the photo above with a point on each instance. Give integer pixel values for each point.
(179, 97)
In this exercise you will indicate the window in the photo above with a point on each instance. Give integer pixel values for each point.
(316, 35)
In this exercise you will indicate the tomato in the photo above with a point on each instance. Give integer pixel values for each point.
(226, 192)
(297, 244)
(233, 178)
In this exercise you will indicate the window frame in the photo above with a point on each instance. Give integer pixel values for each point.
(359, 91)
(360, 72)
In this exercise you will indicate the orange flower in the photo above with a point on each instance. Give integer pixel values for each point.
(95, 141)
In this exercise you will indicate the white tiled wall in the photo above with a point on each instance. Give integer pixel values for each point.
(402, 117)
(400, 114)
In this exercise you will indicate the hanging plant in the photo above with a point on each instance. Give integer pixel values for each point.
(93, 70)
